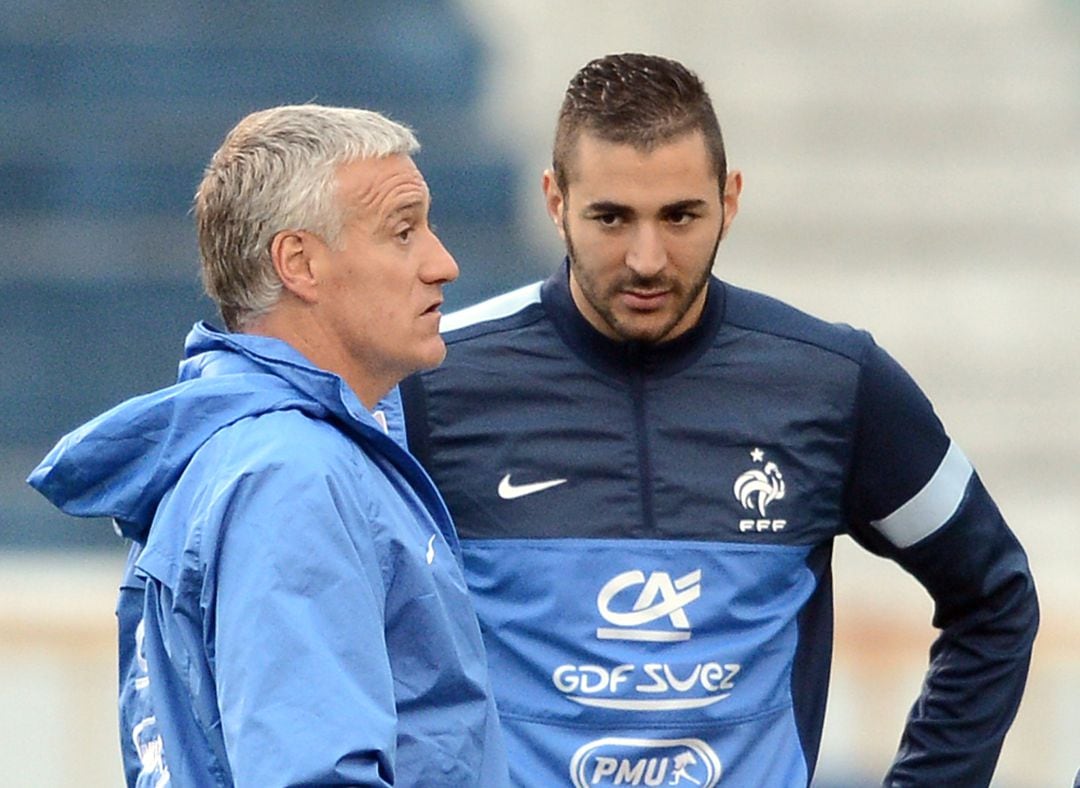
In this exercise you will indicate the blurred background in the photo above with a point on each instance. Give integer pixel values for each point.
(911, 168)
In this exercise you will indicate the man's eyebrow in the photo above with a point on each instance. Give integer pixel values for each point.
(606, 206)
(684, 205)
(412, 206)
(618, 209)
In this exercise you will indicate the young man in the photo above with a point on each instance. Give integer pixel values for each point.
(293, 611)
(648, 468)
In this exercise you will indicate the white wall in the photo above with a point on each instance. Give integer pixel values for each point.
(58, 670)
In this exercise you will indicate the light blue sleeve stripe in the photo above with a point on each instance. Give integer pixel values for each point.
(933, 505)
(500, 306)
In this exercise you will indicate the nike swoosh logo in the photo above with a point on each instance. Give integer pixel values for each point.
(430, 549)
(509, 492)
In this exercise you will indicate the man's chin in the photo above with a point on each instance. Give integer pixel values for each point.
(645, 331)
(434, 355)
(427, 357)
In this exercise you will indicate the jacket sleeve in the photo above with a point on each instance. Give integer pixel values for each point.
(294, 625)
(914, 497)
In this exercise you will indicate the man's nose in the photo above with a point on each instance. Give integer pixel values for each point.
(646, 256)
(439, 265)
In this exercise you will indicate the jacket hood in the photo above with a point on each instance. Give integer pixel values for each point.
(121, 463)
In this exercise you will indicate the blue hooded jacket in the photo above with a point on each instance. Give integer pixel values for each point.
(293, 610)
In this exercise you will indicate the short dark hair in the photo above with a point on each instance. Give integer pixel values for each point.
(635, 99)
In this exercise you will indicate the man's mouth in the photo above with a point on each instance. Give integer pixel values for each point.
(644, 299)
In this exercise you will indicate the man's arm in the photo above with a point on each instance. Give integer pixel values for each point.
(915, 498)
(296, 625)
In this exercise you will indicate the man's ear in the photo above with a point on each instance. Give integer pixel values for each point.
(553, 200)
(732, 192)
(291, 253)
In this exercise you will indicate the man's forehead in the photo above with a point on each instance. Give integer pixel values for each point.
(597, 160)
(382, 185)
(621, 174)
(591, 143)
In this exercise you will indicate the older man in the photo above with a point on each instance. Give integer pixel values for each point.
(293, 611)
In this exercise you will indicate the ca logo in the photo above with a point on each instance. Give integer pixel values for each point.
(660, 597)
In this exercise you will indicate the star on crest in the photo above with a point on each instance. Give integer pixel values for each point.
(757, 455)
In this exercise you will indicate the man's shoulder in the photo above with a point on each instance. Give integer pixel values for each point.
(262, 454)
(767, 315)
(287, 439)
(500, 313)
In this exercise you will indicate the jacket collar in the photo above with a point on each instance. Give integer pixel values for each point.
(122, 463)
(209, 352)
(623, 359)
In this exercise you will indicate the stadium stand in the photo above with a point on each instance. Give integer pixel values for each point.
(110, 113)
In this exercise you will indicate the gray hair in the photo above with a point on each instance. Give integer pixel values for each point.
(276, 171)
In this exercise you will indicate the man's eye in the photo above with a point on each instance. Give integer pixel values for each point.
(608, 219)
(681, 218)
(405, 234)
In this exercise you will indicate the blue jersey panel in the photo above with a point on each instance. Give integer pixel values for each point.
(656, 642)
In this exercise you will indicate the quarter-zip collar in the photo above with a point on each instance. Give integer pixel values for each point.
(625, 359)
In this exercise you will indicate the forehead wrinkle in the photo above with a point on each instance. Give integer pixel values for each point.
(385, 195)
(408, 206)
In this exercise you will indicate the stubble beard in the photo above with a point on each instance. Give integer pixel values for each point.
(601, 302)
